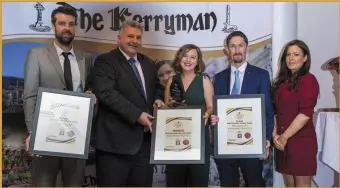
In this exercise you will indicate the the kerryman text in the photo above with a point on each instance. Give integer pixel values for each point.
(171, 23)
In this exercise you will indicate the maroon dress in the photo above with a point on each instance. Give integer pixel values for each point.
(299, 155)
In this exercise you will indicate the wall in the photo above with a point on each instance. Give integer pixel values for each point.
(157, 44)
(318, 26)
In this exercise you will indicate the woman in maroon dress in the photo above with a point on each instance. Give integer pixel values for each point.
(295, 95)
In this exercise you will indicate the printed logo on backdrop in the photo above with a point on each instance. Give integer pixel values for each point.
(228, 28)
(171, 23)
(39, 25)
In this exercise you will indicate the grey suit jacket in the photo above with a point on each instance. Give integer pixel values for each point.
(43, 69)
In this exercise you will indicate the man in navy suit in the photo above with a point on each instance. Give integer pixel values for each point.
(242, 78)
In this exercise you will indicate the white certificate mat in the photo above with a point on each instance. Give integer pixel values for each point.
(241, 127)
(62, 124)
(178, 135)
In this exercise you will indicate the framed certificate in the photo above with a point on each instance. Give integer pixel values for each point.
(178, 136)
(241, 130)
(62, 124)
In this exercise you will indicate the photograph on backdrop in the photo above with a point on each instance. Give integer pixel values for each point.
(158, 45)
(14, 127)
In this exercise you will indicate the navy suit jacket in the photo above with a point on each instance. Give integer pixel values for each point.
(255, 81)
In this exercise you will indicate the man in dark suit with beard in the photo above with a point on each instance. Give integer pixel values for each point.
(127, 87)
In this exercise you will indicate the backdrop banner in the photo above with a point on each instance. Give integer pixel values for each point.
(167, 26)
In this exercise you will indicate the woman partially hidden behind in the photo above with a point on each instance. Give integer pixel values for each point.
(295, 96)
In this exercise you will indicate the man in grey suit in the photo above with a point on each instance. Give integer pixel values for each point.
(57, 66)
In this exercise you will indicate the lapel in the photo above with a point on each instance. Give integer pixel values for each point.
(81, 64)
(54, 59)
(228, 80)
(246, 79)
(128, 69)
(146, 74)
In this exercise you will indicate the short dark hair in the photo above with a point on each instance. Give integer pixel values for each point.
(236, 34)
(64, 10)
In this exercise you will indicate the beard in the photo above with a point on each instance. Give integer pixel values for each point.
(236, 59)
(64, 40)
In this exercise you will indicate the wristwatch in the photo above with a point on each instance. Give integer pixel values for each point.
(29, 133)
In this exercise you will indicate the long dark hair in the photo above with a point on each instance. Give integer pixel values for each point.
(285, 74)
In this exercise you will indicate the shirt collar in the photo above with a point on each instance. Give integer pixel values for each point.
(127, 56)
(60, 51)
(242, 68)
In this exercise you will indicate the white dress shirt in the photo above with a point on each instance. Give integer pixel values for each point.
(74, 67)
(242, 70)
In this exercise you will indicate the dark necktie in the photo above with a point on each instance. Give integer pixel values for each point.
(67, 72)
(132, 62)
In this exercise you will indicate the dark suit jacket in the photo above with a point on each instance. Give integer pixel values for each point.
(121, 101)
(255, 81)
